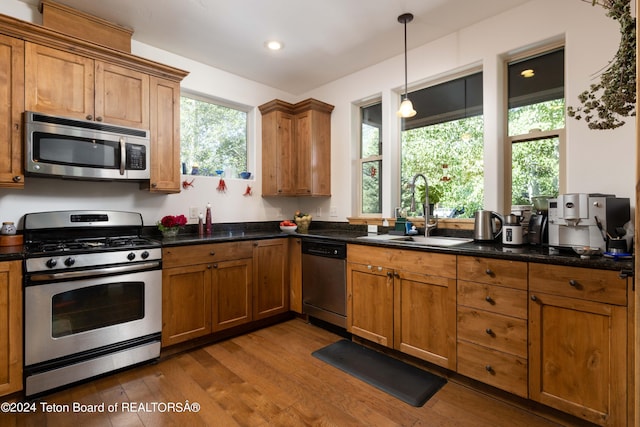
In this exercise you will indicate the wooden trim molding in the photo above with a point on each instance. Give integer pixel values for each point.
(46, 37)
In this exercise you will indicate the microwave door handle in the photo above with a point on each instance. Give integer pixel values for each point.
(123, 155)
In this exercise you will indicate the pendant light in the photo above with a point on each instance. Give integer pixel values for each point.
(406, 107)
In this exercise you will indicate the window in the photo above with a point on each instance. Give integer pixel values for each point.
(444, 142)
(371, 159)
(536, 125)
(213, 137)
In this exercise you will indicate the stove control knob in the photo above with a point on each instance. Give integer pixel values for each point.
(69, 262)
(144, 255)
(51, 263)
(131, 256)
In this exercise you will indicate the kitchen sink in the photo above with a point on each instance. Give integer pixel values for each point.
(441, 241)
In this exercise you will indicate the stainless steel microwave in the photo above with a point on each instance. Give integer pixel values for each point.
(80, 149)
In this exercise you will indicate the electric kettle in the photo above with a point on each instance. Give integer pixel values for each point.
(485, 226)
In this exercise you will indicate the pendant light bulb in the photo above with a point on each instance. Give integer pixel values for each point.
(406, 107)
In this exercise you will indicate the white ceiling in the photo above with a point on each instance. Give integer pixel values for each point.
(323, 39)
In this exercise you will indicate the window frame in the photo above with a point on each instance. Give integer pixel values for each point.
(250, 124)
(531, 136)
(362, 160)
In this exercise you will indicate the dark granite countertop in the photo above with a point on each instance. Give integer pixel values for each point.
(11, 253)
(352, 234)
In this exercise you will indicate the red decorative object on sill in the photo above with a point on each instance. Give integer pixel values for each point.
(222, 186)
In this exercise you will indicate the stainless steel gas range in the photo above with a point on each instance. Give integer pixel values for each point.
(92, 296)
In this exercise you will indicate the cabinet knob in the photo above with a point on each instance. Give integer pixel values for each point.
(17, 178)
(489, 331)
(489, 299)
(99, 119)
(379, 268)
(488, 368)
(154, 185)
(396, 275)
(369, 267)
(573, 283)
(209, 266)
(16, 126)
(89, 117)
(212, 253)
(489, 272)
(534, 298)
(215, 265)
(389, 274)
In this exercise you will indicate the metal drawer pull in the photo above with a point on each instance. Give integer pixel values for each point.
(488, 271)
(489, 300)
(489, 331)
(379, 268)
(212, 253)
(573, 283)
(534, 298)
(389, 274)
(488, 368)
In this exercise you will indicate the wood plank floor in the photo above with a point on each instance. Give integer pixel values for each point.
(264, 378)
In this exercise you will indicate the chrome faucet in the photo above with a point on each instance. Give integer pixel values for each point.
(425, 206)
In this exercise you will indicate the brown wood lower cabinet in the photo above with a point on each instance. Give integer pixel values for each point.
(212, 287)
(578, 342)
(404, 300)
(10, 327)
(492, 322)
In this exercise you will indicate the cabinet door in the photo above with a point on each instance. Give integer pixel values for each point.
(271, 278)
(186, 303)
(577, 357)
(11, 108)
(58, 82)
(122, 96)
(425, 317)
(10, 327)
(370, 303)
(295, 275)
(285, 151)
(302, 164)
(231, 301)
(165, 136)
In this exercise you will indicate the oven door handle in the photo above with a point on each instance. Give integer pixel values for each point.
(41, 277)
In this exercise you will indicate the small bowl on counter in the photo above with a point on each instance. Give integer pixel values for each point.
(289, 228)
(586, 252)
(245, 175)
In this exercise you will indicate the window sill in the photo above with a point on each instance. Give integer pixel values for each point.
(447, 223)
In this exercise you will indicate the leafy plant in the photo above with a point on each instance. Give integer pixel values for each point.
(614, 96)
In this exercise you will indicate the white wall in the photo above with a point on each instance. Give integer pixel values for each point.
(598, 161)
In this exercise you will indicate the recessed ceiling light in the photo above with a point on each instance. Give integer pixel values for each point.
(274, 45)
(527, 73)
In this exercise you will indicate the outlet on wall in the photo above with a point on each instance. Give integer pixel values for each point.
(333, 211)
(318, 212)
(193, 212)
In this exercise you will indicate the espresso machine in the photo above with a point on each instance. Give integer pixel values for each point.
(587, 220)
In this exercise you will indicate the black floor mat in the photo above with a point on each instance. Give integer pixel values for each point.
(406, 382)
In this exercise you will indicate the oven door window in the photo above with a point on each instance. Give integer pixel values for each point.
(70, 150)
(95, 307)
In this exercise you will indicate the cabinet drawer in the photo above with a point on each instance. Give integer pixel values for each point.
(497, 299)
(512, 274)
(199, 254)
(495, 368)
(400, 259)
(576, 282)
(502, 333)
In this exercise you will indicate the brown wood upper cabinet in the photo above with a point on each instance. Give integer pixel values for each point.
(11, 108)
(70, 85)
(296, 148)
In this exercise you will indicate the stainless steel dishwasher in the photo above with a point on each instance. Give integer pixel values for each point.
(324, 280)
